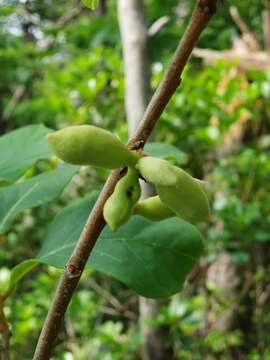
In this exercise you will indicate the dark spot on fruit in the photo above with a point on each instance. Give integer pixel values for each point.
(129, 191)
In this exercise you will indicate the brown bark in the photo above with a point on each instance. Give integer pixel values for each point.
(4, 333)
(266, 28)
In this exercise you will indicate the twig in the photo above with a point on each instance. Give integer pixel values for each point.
(104, 293)
(4, 332)
(238, 20)
(158, 25)
(244, 59)
(248, 36)
(203, 12)
(16, 97)
(266, 28)
(73, 13)
(119, 308)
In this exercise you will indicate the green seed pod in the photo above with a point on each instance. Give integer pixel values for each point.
(179, 191)
(90, 145)
(202, 184)
(153, 209)
(157, 171)
(187, 198)
(119, 207)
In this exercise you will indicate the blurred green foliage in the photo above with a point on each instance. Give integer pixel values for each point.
(61, 67)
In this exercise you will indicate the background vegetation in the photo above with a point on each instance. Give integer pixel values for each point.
(61, 64)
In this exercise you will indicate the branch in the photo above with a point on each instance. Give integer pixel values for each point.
(248, 36)
(16, 97)
(242, 26)
(158, 25)
(4, 332)
(245, 59)
(203, 12)
(73, 13)
(118, 307)
(266, 28)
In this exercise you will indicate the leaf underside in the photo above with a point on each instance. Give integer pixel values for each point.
(28, 194)
(20, 149)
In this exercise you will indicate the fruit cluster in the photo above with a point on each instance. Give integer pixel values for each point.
(178, 193)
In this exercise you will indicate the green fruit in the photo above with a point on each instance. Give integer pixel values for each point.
(157, 171)
(154, 209)
(202, 184)
(187, 198)
(119, 207)
(90, 145)
(179, 191)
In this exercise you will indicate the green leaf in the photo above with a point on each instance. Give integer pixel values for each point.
(20, 149)
(166, 151)
(16, 274)
(64, 232)
(20, 270)
(38, 190)
(91, 4)
(151, 258)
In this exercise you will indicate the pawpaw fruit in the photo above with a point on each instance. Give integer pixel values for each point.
(153, 209)
(157, 171)
(178, 190)
(90, 145)
(119, 206)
